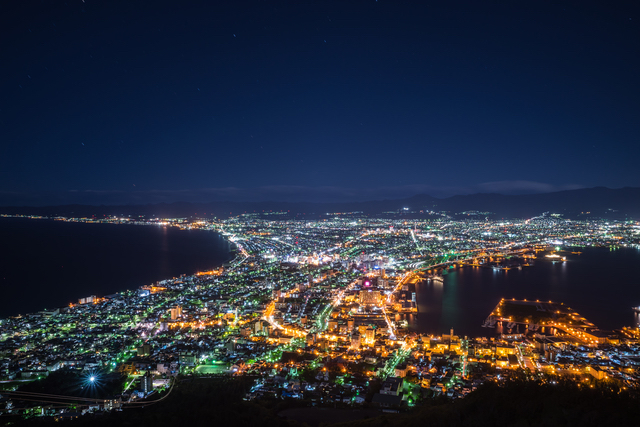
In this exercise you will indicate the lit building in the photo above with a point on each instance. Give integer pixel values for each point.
(147, 383)
(355, 341)
(370, 335)
(369, 297)
(176, 312)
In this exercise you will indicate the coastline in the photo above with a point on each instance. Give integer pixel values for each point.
(41, 256)
(471, 292)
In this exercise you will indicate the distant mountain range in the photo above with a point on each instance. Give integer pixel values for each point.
(584, 203)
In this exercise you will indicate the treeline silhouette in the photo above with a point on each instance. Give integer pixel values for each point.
(218, 401)
(557, 402)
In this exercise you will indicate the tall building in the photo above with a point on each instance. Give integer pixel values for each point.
(355, 341)
(147, 383)
(176, 312)
(370, 335)
(144, 350)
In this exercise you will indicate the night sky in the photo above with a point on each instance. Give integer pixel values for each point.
(106, 101)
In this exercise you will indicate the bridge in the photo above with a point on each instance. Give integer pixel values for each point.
(453, 258)
(438, 262)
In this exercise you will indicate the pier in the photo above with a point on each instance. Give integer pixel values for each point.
(547, 317)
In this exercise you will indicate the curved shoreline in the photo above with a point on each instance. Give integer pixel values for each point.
(43, 259)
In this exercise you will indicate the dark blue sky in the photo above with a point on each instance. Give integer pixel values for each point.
(144, 101)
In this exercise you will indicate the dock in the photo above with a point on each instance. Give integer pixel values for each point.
(545, 316)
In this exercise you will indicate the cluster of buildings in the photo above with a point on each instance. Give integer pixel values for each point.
(310, 307)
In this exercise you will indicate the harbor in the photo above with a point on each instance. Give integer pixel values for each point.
(467, 293)
(544, 317)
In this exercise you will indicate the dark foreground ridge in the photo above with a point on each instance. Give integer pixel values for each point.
(218, 401)
(583, 203)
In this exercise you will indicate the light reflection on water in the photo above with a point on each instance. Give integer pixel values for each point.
(53, 263)
(599, 284)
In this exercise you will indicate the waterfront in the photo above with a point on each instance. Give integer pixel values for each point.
(325, 291)
(46, 264)
(601, 284)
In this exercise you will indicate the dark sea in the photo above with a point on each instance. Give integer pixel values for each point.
(48, 264)
(600, 284)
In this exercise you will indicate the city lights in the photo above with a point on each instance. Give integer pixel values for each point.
(330, 308)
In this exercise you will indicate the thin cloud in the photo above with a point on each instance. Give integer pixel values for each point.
(523, 187)
(289, 193)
